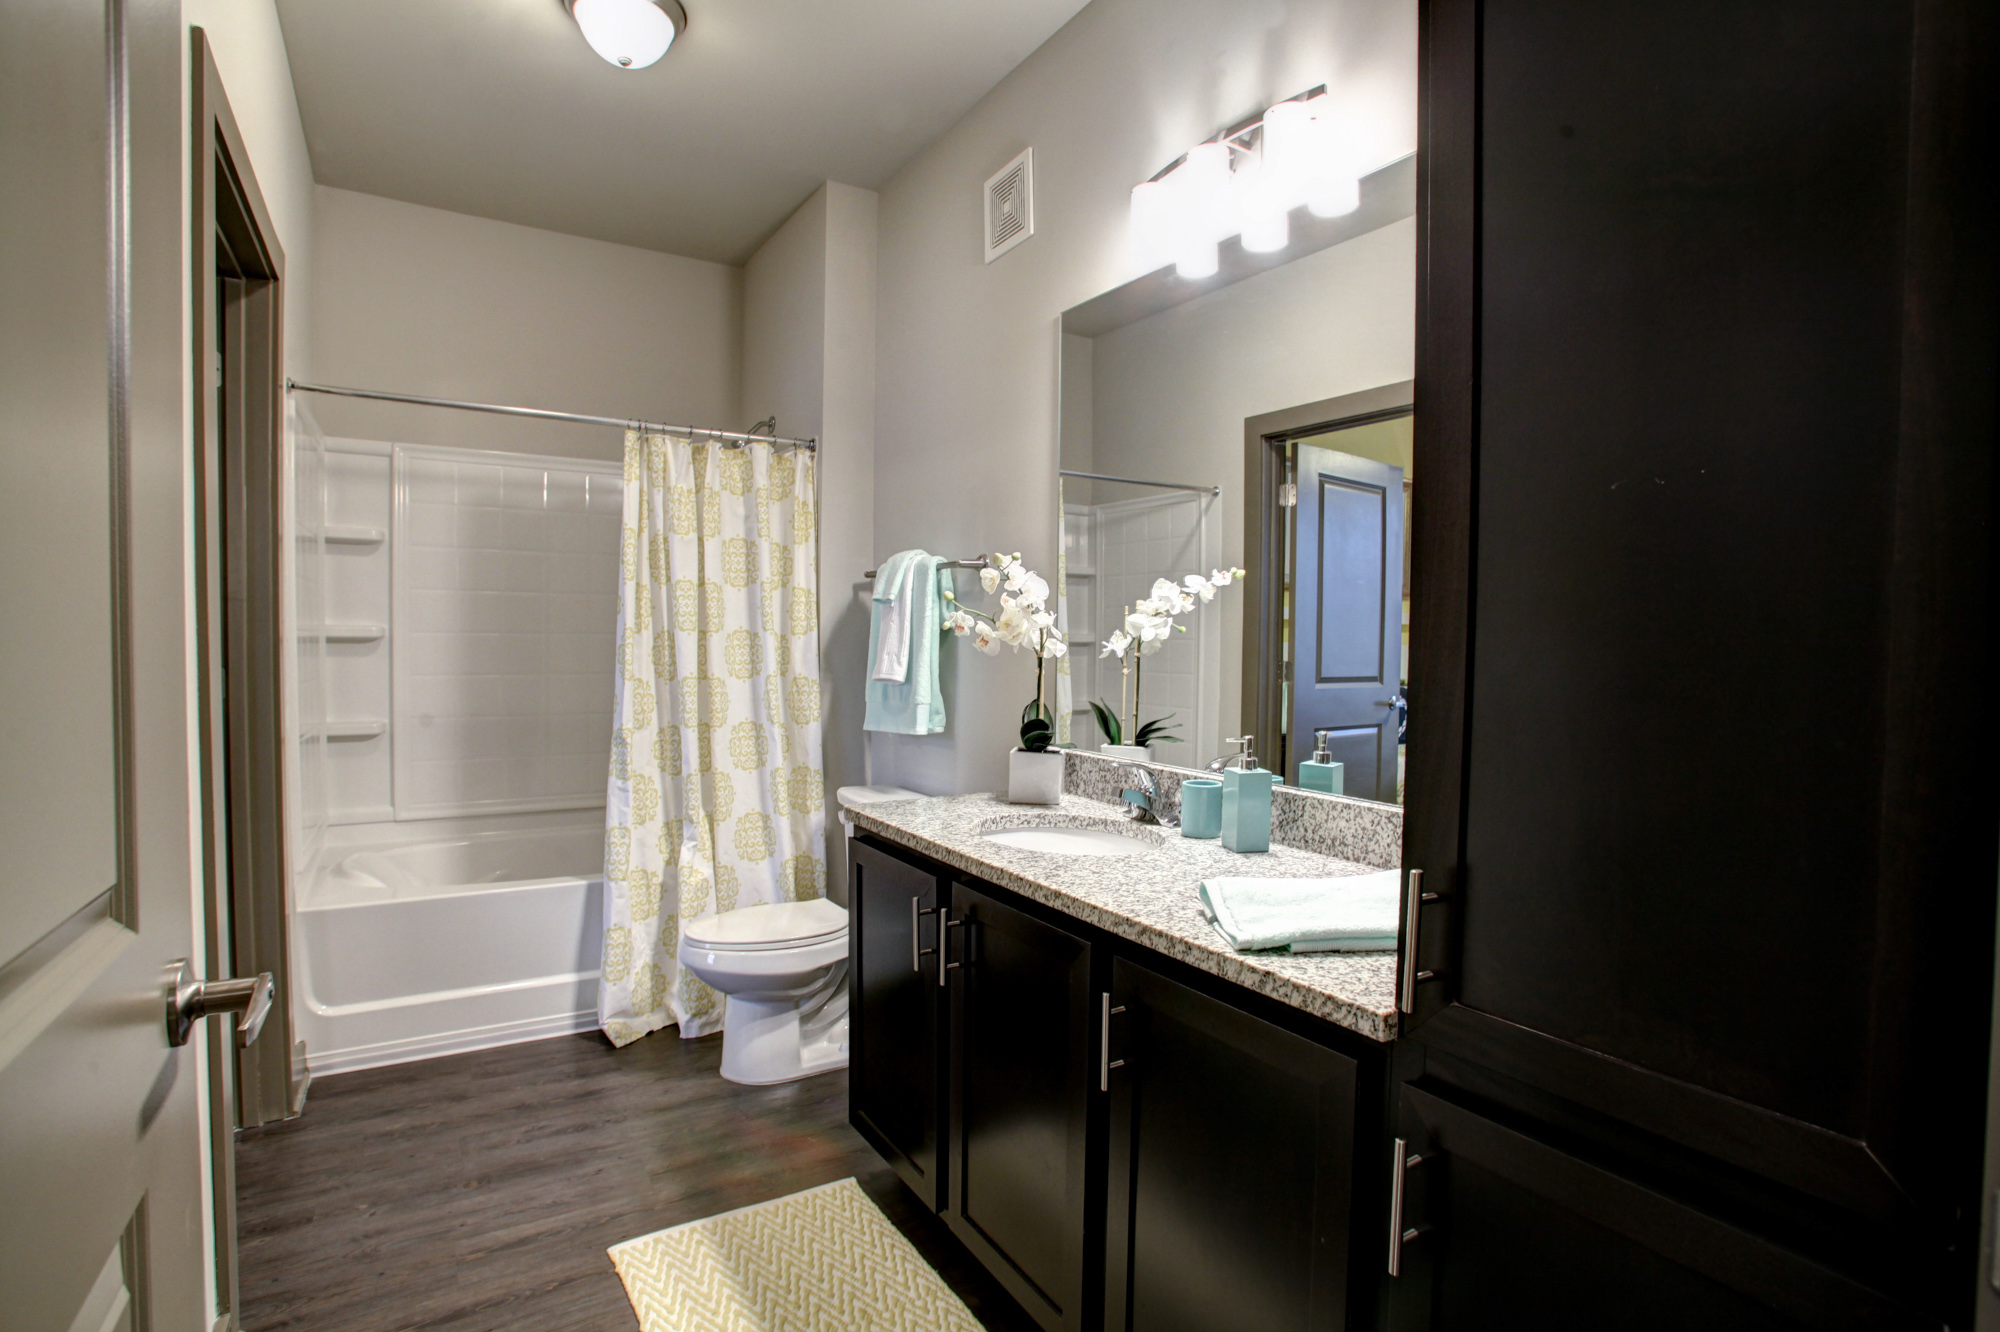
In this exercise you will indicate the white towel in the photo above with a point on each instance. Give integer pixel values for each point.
(1356, 913)
(894, 588)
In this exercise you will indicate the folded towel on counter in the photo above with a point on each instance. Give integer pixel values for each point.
(915, 704)
(1354, 913)
(895, 589)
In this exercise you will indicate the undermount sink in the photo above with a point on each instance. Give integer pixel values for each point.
(1072, 839)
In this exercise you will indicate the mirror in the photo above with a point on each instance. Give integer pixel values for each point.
(1257, 419)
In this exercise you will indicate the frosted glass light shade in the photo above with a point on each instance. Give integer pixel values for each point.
(1152, 225)
(631, 34)
(1201, 209)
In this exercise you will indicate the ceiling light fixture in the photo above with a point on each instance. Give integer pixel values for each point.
(631, 34)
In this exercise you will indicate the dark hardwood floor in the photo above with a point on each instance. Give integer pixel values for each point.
(479, 1191)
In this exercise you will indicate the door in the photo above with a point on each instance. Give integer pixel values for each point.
(101, 1180)
(1499, 1230)
(896, 1004)
(1703, 782)
(1347, 617)
(1021, 1045)
(1231, 1157)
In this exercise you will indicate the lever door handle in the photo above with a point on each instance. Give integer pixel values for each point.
(190, 1000)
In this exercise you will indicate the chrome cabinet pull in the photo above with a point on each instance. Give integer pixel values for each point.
(1105, 1063)
(917, 952)
(1399, 1235)
(190, 1000)
(1407, 974)
(944, 944)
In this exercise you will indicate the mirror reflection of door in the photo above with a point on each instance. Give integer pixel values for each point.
(1347, 646)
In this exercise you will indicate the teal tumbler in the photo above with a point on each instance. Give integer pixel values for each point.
(1201, 807)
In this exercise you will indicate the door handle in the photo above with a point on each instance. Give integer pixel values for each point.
(1399, 1235)
(1105, 1063)
(917, 952)
(944, 945)
(190, 1000)
(1407, 974)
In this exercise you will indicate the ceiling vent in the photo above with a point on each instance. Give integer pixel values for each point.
(1010, 205)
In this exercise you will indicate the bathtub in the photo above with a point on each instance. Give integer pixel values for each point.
(414, 943)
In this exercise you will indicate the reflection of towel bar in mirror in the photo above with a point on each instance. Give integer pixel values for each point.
(979, 563)
(1135, 481)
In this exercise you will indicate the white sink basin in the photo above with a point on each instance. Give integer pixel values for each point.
(1069, 841)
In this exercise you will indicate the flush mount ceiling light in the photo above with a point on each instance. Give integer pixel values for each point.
(1245, 182)
(631, 34)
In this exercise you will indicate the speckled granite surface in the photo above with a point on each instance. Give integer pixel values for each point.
(1149, 897)
(1358, 830)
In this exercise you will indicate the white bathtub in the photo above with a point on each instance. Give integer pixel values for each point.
(415, 943)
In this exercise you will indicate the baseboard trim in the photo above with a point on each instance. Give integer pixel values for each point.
(323, 1063)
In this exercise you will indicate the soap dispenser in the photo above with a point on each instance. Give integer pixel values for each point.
(1246, 801)
(1320, 772)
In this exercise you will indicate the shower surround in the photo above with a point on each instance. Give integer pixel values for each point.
(449, 890)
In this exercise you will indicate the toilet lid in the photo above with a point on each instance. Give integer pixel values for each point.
(772, 925)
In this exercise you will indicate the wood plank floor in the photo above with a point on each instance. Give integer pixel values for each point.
(479, 1192)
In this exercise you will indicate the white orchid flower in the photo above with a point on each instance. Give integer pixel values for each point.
(1053, 647)
(983, 639)
(1041, 619)
(1200, 586)
(1013, 625)
(989, 579)
(1034, 588)
(1115, 645)
(959, 623)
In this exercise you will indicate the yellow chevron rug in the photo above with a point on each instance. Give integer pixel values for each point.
(825, 1260)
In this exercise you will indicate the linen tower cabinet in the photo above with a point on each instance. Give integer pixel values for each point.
(1701, 790)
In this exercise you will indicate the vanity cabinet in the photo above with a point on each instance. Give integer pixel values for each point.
(896, 1014)
(1229, 1190)
(1021, 1060)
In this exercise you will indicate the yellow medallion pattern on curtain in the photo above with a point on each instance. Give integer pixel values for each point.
(716, 792)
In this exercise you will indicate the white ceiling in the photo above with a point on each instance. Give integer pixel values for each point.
(498, 108)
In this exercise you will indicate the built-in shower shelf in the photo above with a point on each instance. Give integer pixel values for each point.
(354, 536)
(345, 633)
(353, 730)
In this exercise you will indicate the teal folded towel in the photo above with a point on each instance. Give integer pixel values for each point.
(915, 704)
(1354, 913)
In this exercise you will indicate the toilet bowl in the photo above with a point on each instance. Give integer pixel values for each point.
(783, 966)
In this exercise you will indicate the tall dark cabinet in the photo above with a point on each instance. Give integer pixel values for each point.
(1703, 797)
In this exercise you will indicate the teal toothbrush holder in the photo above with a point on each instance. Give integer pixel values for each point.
(1201, 807)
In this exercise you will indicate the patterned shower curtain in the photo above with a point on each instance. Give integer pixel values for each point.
(716, 796)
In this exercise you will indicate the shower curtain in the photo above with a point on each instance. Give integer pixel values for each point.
(716, 795)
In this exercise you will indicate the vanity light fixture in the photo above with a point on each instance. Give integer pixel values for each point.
(631, 34)
(1245, 182)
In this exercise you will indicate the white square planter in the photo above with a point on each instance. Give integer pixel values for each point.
(1130, 753)
(1035, 779)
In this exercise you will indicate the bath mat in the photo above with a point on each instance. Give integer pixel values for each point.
(825, 1260)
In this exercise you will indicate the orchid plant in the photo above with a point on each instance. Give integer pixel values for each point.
(1024, 621)
(1149, 624)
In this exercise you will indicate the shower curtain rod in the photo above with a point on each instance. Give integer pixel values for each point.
(1135, 481)
(739, 437)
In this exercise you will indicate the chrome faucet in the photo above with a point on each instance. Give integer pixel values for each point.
(1142, 803)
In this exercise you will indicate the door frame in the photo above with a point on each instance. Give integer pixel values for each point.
(1265, 439)
(237, 340)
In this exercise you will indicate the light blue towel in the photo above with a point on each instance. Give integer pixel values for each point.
(916, 705)
(1355, 913)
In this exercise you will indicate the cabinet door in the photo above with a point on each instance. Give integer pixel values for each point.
(896, 1003)
(1499, 1230)
(1021, 1045)
(1704, 782)
(1230, 1177)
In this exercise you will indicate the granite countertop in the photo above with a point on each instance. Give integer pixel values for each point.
(1149, 898)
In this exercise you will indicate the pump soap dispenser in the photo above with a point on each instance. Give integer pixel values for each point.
(1320, 772)
(1246, 801)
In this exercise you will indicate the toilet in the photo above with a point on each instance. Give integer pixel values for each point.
(783, 966)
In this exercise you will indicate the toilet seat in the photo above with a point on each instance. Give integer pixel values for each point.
(768, 926)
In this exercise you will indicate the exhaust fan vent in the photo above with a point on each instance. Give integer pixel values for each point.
(1010, 205)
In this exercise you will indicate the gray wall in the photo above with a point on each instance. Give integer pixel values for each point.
(809, 358)
(419, 300)
(967, 410)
